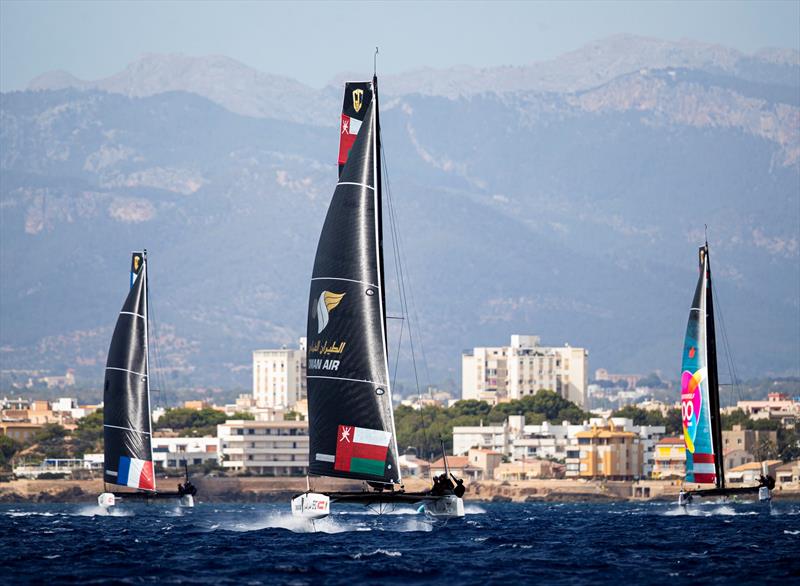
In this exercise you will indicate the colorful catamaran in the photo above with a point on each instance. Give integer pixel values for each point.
(127, 424)
(351, 422)
(700, 406)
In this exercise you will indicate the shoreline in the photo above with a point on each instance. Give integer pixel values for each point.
(256, 489)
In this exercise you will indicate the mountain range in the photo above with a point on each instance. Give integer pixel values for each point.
(564, 198)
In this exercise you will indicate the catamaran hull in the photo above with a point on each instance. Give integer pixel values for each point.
(109, 499)
(447, 507)
(686, 497)
(311, 505)
(315, 505)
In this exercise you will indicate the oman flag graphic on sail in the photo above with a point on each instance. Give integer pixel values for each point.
(361, 450)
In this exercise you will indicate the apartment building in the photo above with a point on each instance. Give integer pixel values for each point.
(670, 459)
(522, 368)
(608, 452)
(279, 376)
(176, 452)
(268, 448)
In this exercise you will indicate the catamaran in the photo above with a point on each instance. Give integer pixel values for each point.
(127, 422)
(700, 405)
(351, 421)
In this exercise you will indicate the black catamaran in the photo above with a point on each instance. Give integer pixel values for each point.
(351, 422)
(700, 405)
(127, 425)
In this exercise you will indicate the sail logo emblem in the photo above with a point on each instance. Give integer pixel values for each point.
(358, 99)
(691, 405)
(326, 303)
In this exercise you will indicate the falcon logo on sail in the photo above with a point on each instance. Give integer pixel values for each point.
(326, 303)
(358, 99)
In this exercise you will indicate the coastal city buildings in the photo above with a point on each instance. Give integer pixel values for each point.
(777, 406)
(627, 380)
(177, 452)
(608, 447)
(267, 448)
(494, 374)
(279, 376)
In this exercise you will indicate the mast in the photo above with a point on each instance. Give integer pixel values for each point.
(713, 377)
(381, 271)
(379, 206)
(146, 278)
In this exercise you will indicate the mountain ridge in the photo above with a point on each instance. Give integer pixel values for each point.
(574, 215)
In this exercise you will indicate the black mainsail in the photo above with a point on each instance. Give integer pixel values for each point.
(127, 426)
(351, 423)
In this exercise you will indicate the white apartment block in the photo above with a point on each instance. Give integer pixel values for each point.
(268, 448)
(175, 452)
(279, 377)
(522, 368)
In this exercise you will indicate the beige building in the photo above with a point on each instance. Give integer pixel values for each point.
(528, 470)
(759, 443)
(524, 367)
(267, 448)
(777, 406)
(279, 377)
(610, 453)
(669, 460)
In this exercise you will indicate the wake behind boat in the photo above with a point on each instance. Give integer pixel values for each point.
(127, 423)
(700, 408)
(351, 421)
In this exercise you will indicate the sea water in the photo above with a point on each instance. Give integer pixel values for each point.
(509, 544)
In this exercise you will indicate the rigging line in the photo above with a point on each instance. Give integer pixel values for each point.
(394, 231)
(404, 261)
(393, 221)
(157, 362)
(397, 356)
(735, 384)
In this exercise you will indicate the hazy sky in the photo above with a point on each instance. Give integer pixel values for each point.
(312, 41)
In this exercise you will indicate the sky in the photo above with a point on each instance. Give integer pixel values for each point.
(314, 41)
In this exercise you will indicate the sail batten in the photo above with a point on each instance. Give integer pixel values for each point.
(351, 423)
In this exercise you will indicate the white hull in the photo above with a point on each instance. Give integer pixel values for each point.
(448, 507)
(108, 499)
(311, 505)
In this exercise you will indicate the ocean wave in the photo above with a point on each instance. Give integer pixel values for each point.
(379, 551)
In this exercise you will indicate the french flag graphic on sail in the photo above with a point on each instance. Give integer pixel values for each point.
(136, 473)
(361, 450)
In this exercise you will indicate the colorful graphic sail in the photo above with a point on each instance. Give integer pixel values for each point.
(348, 375)
(126, 393)
(696, 404)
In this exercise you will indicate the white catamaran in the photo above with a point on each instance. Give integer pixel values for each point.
(351, 422)
(700, 409)
(127, 424)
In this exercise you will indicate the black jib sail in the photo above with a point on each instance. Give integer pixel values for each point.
(351, 422)
(126, 394)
